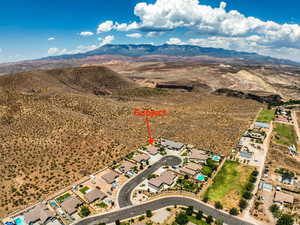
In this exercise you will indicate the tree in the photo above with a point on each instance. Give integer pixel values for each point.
(189, 210)
(243, 204)
(252, 179)
(219, 222)
(205, 199)
(149, 213)
(285, 219)
(275, 210)
(199, 215)
(218, 205)
(84, 211)
(209, 219)
(117, 222)
(247, 195)
(234, 211)
(254, 173)
(250, 187)
(181, 219)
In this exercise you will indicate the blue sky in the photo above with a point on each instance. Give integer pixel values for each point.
(32, 29)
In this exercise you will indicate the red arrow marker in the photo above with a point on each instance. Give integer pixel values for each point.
(150, 140)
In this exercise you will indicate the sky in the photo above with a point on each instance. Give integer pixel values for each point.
(31, 29)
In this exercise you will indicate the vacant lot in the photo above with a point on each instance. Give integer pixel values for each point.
(284, 134)
(229, 183)
(266, 115)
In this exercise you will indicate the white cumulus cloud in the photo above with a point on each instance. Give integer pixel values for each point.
(134, 35)
(86, 33)
(56, 51)
(51, 38)
(105, 27)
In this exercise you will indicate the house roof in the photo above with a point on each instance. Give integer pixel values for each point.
(94, 195)
(127, 166)
(247, 155)
(283, 197)
(192, 166)
(188, 171)
(199, 155)
(141, 157)
(262, 125)
(39, 213)
(110, 176)
(71, 204)
(171, 144)
(166, 177)
(152, 150)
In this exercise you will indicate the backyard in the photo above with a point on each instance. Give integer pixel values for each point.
(266, 115)
(229, 184)
(284, 134)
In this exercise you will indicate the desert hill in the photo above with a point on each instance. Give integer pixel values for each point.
(55, 129)
(85, 79)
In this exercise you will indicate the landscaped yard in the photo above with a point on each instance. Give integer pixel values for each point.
(195, 221)
(229, 184)
(266, 115)
(84, 190)
(60, 199)
(187, 185)
(284, 134)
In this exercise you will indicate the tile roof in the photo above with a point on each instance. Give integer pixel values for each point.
(141, 157)
(198, 155)
(171, 144)
(188, 171)
(283, 197)
(167, 177)
(110, 177)
(71, 204)
(193, 166)
(126, 166)
(152, 150)
(39, 213)
(94, 195)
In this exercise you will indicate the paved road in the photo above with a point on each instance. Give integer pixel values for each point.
(136, 210)
(125, 192)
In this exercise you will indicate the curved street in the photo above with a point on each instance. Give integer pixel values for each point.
(126, 190)
(136, 210)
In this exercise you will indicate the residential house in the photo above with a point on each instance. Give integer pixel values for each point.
(171, 144)
(152, 150)
(40, 213)
(126, 166)
(141, 158)
(190, 169)
(282, 198)
(110, 177)
(94, 195)
(199, 156)
(71, 204)
(166, 178)
(261, 125)
(287, 179)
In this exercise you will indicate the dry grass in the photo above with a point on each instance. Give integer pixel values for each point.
(50, 139)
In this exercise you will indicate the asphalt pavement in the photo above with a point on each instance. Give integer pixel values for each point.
(136, 210)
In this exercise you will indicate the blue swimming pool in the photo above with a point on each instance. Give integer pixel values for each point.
(201, 177)
(53, 204)
(20, 221)
(216, 158)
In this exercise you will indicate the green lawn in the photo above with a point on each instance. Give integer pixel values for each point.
(285, 134)
(266, 116)
(102, 205)
(60, 199)
(195, 221)
(229, 184)
(84, 190)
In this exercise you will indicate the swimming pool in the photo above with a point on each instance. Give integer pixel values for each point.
(53, 204)
(216, 158)
(201, 177)
(20, 221)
